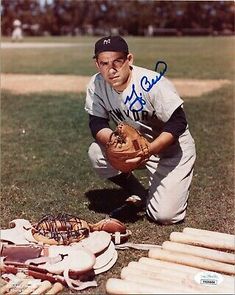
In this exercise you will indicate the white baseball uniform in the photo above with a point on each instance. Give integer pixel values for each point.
(17, 34)
(147, 103)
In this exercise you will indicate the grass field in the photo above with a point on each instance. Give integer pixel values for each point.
(44, 142)
(201, 58)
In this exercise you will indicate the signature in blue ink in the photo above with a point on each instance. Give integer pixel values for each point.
(136, 100)
(148, 85)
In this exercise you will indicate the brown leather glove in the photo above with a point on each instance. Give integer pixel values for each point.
(126, 143)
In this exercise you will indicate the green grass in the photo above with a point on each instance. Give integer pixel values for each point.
(212, 196)
(187, 57)
(45, 168)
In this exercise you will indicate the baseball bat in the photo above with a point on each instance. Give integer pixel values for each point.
(29, 290)
(36, 272)
(209, 233)
(56, 288)
(2, 282)
(159, 266)
(6, 287)
(13, 283)
(118, 286)
(167, 265)
(182, 279)
(21, 286)
(191, 260)
(42, 288)
(200, 251)
(204, 241)
(155, 265)
(159, 284)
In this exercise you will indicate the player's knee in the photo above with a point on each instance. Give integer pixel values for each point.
(160, 218)
(94, 154)
(99, 162)
(164, 216)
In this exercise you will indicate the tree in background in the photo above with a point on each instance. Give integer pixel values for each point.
(27, 11)
(100, 17)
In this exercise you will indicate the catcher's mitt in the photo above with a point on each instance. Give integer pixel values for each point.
(126, 143)
(63, 229)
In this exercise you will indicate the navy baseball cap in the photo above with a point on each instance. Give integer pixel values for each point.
(111, 43)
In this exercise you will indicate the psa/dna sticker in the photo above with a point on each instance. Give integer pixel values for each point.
(208, 278)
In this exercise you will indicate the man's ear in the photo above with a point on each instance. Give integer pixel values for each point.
(96, 63)
(130, 58)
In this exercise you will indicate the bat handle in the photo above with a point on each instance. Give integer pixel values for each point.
(57, 287)
(43, 288)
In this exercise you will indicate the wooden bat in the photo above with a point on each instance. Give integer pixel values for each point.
(156, 265)
(57, 287)
(191, 260)
(45, 285)
(118, 286)
(200, 251)
(36, 272)
(21, 286)
(168, 265)
(12, 283)
(29, 290)
(2, 282)
(169, 277)
(158, 284)
(159, 267)
(6, 287)
(152, 279)
(209, 233)
(202, 241)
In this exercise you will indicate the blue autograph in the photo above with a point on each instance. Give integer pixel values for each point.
(146, 85)
(135, 99)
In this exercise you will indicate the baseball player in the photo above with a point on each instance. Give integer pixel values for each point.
(17, 34)
(148, 101)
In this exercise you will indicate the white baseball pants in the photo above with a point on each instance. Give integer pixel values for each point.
(170, 175)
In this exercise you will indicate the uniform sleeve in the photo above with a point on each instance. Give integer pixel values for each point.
(177, 123)
(94, 104)
(165, 100)
(96, 124)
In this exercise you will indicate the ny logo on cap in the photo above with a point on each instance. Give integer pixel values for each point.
(106, 41)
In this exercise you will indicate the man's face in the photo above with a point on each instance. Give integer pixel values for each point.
(115, 68)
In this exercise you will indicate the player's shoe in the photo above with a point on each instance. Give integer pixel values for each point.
(130, 208)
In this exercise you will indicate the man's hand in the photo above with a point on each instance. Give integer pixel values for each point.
(164, 140)
(140, 163)
(136, 160)
(159, 144)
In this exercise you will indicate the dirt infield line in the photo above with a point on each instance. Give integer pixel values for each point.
(20, 84)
